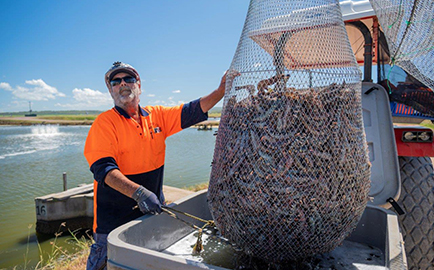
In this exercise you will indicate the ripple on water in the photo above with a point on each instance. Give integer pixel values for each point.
(33, 159)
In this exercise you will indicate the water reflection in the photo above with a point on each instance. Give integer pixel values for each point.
(32, 162)
(31, 139)
(45, 130)
(47, 137)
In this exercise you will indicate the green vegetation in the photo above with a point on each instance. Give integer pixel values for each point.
(41, 121)
(215, 112)
(197, 187)
(49, 117)
(17, 122)
(428, 124)
(49, 113)
(68, 117)
(60, 259)
(65, 117)
(214, 115)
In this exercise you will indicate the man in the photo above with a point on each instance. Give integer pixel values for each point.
(125, 150)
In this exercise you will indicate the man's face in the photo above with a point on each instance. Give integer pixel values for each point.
(125, 93)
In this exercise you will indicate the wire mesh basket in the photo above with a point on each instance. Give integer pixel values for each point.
(290, 174)
(409, 29)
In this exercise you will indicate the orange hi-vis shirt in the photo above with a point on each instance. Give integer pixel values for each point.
(117, 141)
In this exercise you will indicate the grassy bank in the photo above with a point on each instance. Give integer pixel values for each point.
(66, 117)
(60, 259)
(69, 117)
(17, 122)
(197, 187)
(40, 121)
(55, 119)
(65, 120)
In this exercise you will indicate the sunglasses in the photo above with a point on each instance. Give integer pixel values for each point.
(127, 79)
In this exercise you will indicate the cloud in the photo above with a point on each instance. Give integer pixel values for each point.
(18, 103)
(169, 102)
(176, 91)
(174, 103)
(36, 90)
(151, 95)
(87, 98)
(5, 86)
(74, 106)
(92, 97)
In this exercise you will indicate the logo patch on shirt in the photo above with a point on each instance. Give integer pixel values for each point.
(157, 130)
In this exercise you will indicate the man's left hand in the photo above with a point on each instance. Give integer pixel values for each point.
(148, 202)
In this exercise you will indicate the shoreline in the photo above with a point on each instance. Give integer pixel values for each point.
(77, 260)
(26, 121)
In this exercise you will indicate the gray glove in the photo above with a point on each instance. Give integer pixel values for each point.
(147, 200)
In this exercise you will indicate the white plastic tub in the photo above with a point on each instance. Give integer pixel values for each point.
(143, 243)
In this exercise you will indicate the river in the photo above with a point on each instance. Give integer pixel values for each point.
(32, 162)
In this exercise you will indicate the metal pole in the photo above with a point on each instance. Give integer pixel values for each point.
(367, 71)
(64, 182)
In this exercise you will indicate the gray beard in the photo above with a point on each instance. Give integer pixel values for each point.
(126, 101)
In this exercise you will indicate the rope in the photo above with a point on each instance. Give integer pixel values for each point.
(397, 17)
(407, 22)
(415, 51)
(167, 208)
(198, 247)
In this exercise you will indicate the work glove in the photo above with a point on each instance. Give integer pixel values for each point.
(147, 201)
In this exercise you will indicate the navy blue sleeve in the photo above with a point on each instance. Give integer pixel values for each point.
(192, 114)
(102, 167)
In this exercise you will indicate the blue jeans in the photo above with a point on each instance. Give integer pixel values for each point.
(97, 259)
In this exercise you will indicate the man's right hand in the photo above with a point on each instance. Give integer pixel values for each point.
(147, 201)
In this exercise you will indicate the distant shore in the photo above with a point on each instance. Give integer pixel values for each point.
(75, 118)
(28, 121)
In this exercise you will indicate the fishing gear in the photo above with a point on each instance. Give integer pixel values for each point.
(198, 247)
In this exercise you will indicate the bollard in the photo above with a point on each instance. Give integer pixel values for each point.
(64, 182)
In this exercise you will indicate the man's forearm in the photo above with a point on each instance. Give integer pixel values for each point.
(209, 101)
(116, 180)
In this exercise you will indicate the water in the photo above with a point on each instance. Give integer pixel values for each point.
(350, 255)
(33, 159)
(214, 252)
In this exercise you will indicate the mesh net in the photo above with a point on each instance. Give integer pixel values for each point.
(409, 29)
(290, 174)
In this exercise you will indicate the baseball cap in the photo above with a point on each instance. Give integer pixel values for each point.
(119, 67)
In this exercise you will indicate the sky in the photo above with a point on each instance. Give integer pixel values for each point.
(54, 54)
